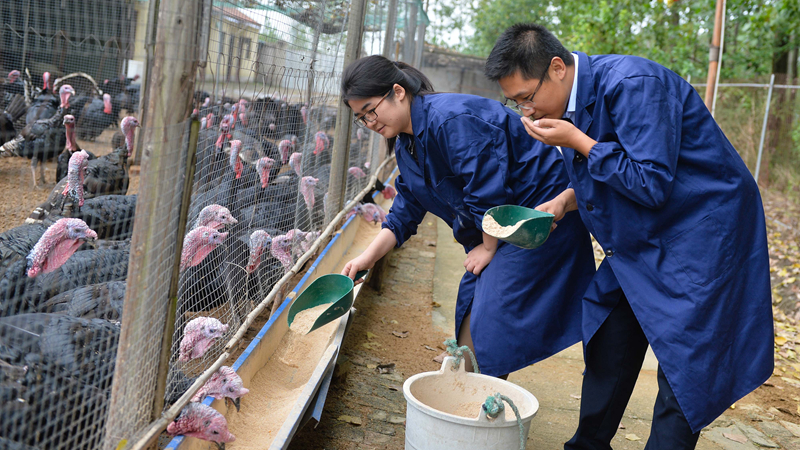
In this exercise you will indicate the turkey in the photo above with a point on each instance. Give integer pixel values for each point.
(13, 85)
(202, 422)
(14, 110)
(50, 363)
(97, 115)
(41, 140)
(107, 175)
(53, 266)
(45, 105)
(94, 301)
(71, 147)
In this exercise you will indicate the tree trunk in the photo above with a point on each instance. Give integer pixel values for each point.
(779, 130)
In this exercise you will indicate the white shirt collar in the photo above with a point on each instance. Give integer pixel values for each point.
(573, 95)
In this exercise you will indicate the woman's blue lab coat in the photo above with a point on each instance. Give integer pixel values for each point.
(682, 225)
(471, 154)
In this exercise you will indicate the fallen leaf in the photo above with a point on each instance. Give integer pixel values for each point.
(393, 322)
(575, 396)
(428, 347)
(780, 340)
(436, 305)
(400, 334)
(350, 419)
(370, 335)
(767, 383)
(385, 368)
(439, 359)
(371, 366)
(632, 437)
(733, 406)
(786, 411)
(793, 428)
(395, 387)
(621, 426)
(791, 381)
(740, 438)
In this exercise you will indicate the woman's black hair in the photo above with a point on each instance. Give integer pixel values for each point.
(526, 48)
(374, 76)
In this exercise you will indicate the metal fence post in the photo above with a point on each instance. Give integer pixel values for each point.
(173, 73)
(341, 141)
(764, 126)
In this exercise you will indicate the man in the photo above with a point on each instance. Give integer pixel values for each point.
(681, 222)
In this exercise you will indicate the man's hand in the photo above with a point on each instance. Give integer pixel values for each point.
(559, 133)
(478, 258)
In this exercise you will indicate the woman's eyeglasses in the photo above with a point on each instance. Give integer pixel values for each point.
(370, 116)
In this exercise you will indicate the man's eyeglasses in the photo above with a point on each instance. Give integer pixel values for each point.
(529, 104)
(370, 116)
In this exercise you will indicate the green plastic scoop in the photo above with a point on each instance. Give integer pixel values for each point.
(333, 288)
(518, 225)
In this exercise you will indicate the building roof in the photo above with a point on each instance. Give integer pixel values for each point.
(238, 15)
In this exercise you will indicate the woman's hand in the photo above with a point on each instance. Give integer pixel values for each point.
(559, 206)
(478, 258)
(379, 247)
(357, 264)
(560, 133)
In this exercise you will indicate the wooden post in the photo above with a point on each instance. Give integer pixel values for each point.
(140, 373)
(713, 56)
(149, 44)
(341, 141)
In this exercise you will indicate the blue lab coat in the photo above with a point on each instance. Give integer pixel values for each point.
(471, 154)
(682, 224)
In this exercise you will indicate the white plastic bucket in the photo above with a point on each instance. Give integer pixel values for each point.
(438, 401)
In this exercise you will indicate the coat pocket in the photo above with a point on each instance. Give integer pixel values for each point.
(704, 252)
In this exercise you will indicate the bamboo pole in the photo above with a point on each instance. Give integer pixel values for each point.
(341, 141)
(719, 61)
(144, 321)
(713, 55)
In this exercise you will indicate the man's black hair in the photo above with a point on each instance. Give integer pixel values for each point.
(526, 48)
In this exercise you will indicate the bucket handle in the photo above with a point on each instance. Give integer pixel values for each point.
(493, 407)
(458, 353)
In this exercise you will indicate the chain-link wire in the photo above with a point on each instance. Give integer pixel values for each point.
(266, 96)
(68, 78)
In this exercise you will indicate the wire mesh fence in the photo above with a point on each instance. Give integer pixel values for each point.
(81, 364)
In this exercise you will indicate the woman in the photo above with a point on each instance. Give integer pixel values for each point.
(458, 156)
